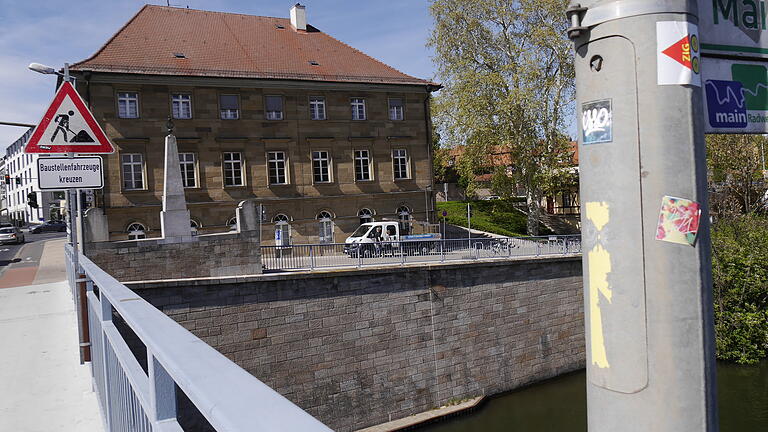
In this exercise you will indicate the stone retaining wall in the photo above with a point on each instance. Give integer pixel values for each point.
(361, 347)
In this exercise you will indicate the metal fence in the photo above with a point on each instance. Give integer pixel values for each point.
(227, 396)
(335, 255)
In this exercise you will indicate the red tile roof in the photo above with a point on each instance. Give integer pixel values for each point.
(218, 44)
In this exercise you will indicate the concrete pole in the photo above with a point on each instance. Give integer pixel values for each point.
(648, 302)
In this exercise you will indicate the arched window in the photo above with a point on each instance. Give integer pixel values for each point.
(325, 220)
(366, 215)
(136, 231)
(232, 224)
(194, 225)
(282, 230)
(404, 216)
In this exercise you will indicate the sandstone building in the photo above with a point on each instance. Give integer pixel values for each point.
(266, 108)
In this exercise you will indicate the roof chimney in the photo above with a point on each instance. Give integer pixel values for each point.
(299, 17)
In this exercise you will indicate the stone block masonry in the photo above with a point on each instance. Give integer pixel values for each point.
(361, 347)
(211, 255)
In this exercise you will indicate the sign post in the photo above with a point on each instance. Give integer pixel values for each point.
(68, 127)
(647, 276)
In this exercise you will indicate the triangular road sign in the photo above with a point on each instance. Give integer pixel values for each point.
(68, 127)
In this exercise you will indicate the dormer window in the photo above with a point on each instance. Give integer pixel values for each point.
(179, 55)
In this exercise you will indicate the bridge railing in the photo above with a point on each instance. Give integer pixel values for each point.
(135, 399)
(322, 256)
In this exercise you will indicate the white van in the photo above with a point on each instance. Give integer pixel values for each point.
(384, 238)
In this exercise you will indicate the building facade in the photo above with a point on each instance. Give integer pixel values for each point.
(22, 169)
(271, 109)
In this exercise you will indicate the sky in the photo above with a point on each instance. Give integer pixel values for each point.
(54, 32)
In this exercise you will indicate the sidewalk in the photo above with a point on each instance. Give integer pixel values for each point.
(43, 386)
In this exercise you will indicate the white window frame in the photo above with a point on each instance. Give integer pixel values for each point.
(317, 158)
(274, 115)
(317, 108)
(125, 98)
(188, 160)
(136, 234)
(133, 163)
(325, 227)
(358, 158)
(366, 215)
(405, 219)
(396, 113)
(177, 101)
(231, 114)
(357, 106)
(400, 162)
(230, 164)
(272, 158)
(283, 224)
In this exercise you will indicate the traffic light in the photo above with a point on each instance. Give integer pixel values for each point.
(32, 199)
(18, 180)
(7, 179)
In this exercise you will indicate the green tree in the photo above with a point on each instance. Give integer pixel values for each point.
(734, 162)
(508, 77)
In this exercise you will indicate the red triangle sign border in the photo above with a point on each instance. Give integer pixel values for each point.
(66, 89)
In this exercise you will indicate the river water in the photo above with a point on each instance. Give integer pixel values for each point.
(560, 405)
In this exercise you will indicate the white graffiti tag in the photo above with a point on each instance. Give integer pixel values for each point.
(595, 120)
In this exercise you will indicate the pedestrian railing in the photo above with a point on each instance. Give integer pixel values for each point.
(334, 255)
(143, 399)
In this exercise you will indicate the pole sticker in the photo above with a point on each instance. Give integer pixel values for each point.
(677, 53)
(678, 221)
(597, 122)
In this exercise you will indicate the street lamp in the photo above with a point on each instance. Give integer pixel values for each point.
(47, 70)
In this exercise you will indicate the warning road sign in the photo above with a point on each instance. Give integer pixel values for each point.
(68, 126)
(70, 173)
(678, 57)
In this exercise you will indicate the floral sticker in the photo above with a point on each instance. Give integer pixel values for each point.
(678, 220)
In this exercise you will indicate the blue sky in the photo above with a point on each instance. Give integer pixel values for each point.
(55, 32)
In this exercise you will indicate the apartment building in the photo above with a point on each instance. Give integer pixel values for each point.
(273, 109)
(22, 169)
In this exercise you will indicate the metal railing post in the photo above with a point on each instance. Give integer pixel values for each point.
(106, 317)
(442, 251)
(311, 258)
(162, 391)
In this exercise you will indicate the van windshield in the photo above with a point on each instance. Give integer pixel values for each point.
(361, 230)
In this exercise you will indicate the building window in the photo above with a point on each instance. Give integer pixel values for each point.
(136, 231)
(282, 230)
(325, 220)
(404, 217)
(194, 226)
(396, 109)
(276, 168)
(358, 108)
(317, 108)
(181, 105)
(362, 165)
(274, 107)
(133, 171)
(128, 105)
(400, 164)
(187, 164)
(321, 167)
(366, 215)
(232, 224)
(229, 107)
(233, 169)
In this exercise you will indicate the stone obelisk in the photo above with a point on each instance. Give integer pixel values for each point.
(174, 219)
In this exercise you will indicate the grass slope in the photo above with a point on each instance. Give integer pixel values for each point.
(494, 216)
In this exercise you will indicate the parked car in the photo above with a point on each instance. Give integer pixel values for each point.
(11, 235)
(50, 226)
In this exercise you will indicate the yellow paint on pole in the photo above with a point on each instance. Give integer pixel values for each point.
(599, 266)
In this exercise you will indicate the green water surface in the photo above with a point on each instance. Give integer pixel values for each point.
(560, 405)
